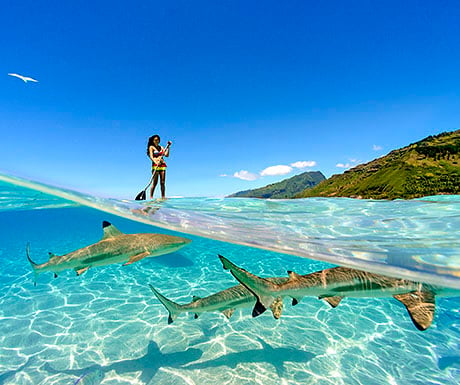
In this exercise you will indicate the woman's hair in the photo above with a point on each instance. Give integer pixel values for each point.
(150, 142)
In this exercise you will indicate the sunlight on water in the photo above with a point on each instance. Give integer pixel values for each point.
(106, 327)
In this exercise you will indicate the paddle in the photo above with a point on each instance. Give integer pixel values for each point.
(141, 196)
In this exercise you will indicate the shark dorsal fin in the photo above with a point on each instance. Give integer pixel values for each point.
(293, 275)
(228, 313)
(110, 231)
(420, 305)
(333, 301)
(195, 298)
(52, 255)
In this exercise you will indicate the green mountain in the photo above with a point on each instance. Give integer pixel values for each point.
(428, 167)
(287, 188)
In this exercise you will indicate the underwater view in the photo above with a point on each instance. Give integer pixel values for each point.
(230, 193)
(107, 326)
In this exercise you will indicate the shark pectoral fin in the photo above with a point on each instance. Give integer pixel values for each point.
(82, 270)
(420, 305)
(277, 307)
(195, 298)
(263, 302)
(333, 301)
(110, 231)
(228, 313)
(136, 258)
(258, 309)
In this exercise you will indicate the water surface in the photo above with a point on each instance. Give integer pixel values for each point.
(106, 327)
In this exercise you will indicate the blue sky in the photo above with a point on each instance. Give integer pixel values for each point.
(238, 86)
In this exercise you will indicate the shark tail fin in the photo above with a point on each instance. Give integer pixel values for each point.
(173, 308)
(32, 263)
(263, 289)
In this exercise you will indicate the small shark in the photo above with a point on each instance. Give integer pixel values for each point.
(334, 284)
(225, 301)
(114, 247)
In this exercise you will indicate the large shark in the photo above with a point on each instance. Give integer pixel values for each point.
(225, 301)
(334, 284)
(114, 247)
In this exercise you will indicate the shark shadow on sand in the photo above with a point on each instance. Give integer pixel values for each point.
(174, 260)
(11, 373)
(148, 365)
(267, 354)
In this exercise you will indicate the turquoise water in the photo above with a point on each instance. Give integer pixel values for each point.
(106, 327)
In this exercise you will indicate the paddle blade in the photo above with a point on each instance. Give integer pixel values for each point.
(140, 196)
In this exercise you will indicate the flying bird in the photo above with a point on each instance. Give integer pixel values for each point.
(25, 78)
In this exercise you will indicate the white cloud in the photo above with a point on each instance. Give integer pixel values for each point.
(245, 175)
(223, 175)
(304, 163)
(280, 169)
(376, 147)
(276, 170)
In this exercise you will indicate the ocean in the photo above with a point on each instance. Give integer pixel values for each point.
(107, 327)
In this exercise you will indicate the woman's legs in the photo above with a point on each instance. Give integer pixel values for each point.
(154, 184)
(163, 184)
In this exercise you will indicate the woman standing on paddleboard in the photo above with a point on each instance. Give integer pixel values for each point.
(156, 154)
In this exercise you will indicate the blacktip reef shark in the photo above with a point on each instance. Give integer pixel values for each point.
(334, 284)
(114, 247)
(225, 301)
